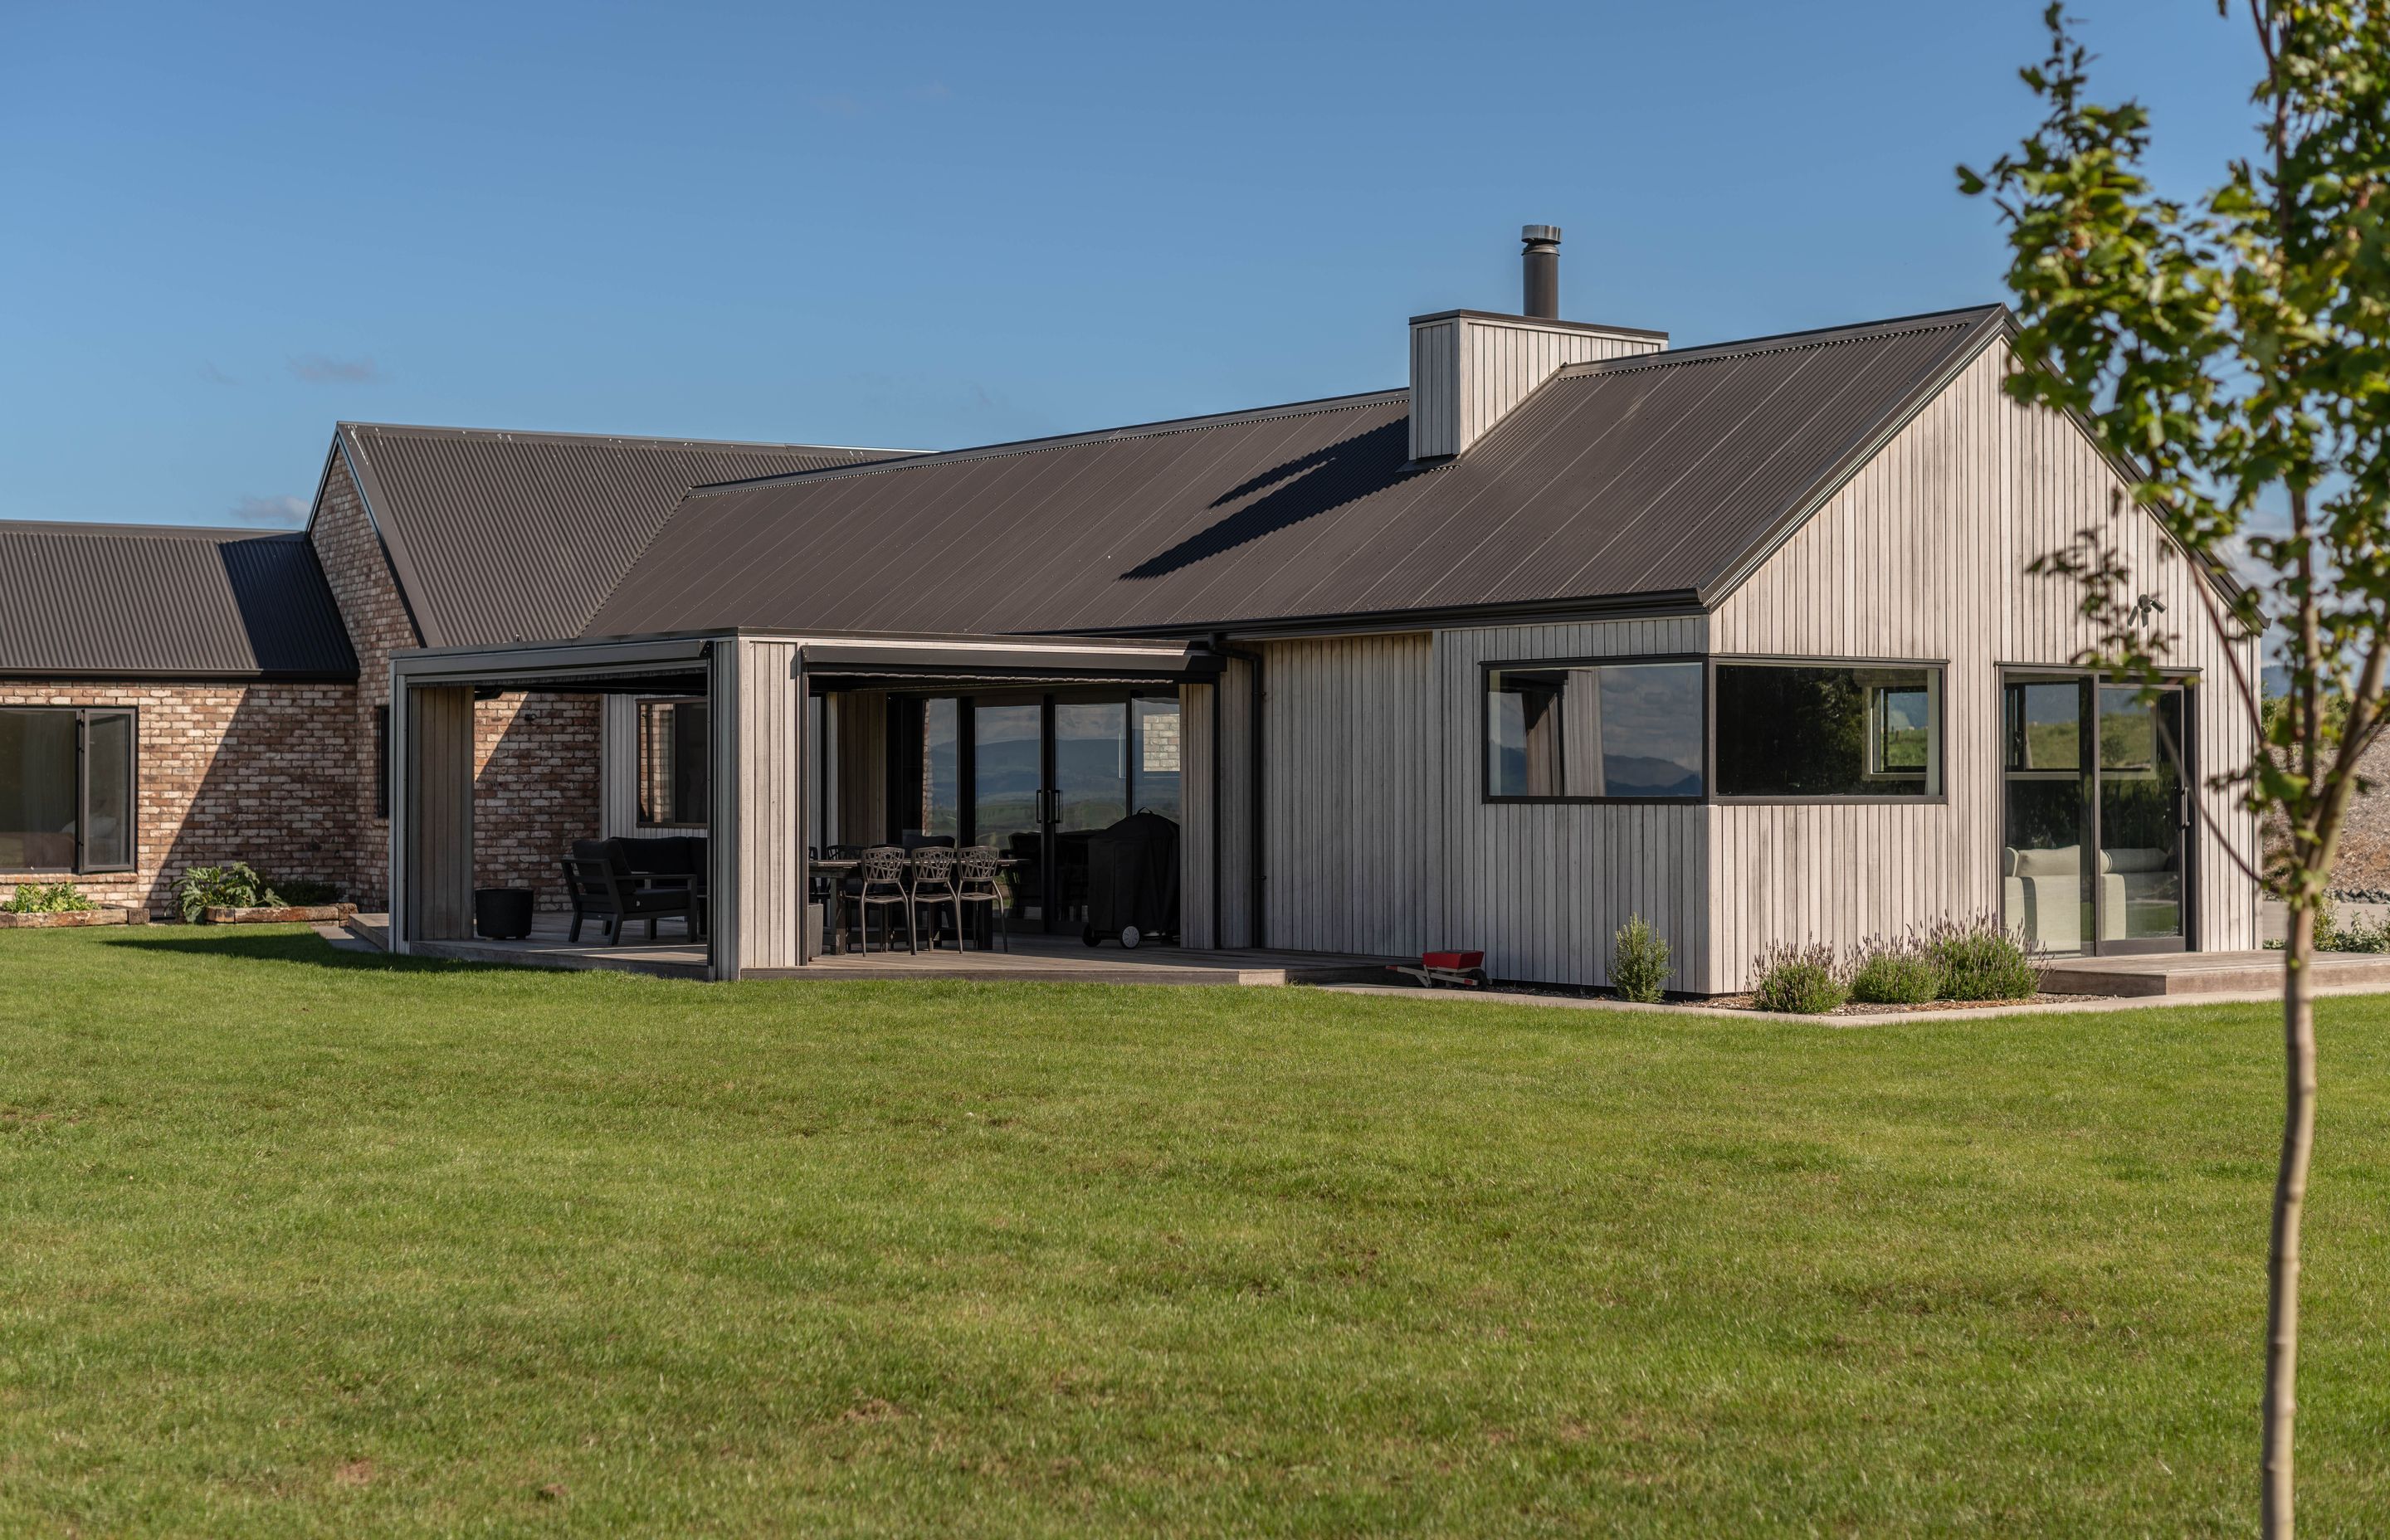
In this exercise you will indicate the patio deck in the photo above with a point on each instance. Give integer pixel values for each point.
(1032, 959)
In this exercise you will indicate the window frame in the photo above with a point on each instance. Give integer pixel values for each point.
(639, 763)
(381, 762)
(1487, 670)
(81, 866)
(1939, 798)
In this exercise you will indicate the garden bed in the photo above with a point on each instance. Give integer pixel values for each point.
(58, 919)
(1748, 1002)
(1863, 1007)
(288, 914)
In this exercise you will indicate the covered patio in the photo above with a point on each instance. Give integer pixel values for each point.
(807, 742)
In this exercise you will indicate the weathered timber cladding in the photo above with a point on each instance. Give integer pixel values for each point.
(618, 766)
(1196, 822)
(1542, 887)
(1923, 555)
(759, 830)
(1349, 794)
(438, 782)
(1468, 372)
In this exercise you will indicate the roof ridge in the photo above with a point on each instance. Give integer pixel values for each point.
(1789, 341)
(628, 440)
(187, 531)
(1162, 427)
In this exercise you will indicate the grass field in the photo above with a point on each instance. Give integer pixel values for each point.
(292, 1242)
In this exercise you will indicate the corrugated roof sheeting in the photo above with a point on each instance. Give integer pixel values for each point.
(1650, 476)
(132, 600)
(518, 536)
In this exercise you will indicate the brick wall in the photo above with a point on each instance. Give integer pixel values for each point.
(284, 776)
(535, 756)
(534, 789)
(251, 773)
(359, 574)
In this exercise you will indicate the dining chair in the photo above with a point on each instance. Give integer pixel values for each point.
(833, 893)
(977, 880)
(879, 883)
(933, 886)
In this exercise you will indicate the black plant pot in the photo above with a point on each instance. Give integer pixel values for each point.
(502, 913)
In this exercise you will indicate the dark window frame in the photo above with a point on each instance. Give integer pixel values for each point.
(381, 762)
(1940, 798)
(640, 762)
(1487, 670)
(81, 866)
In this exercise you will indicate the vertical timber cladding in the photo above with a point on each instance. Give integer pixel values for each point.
(1351, 861)
(1923, 555)
(618, 766)
(439, 822)
(1197, 817)
(1542, 887)
(859, 805)
(758, 835)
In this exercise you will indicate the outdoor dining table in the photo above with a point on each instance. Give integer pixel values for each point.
(837, 869)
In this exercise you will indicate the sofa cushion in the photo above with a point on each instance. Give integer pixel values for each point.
(2066, 861)
(2136, 859)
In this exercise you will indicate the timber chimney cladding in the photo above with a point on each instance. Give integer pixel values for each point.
(1469, 368)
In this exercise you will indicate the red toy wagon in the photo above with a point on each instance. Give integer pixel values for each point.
(1461, 969)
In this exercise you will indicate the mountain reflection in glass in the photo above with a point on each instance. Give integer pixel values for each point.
(1595, 730)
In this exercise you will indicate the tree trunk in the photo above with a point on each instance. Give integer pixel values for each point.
(2290, 1197)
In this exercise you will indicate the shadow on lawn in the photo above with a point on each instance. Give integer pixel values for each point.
(252, 944)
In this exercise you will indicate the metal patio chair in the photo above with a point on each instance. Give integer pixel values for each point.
(977, 881)
(879, 883)
(933, 887)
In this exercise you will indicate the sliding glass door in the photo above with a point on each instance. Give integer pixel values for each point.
(1036, 775)
(2096, 855)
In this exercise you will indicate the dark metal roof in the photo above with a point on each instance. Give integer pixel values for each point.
(161, 600)
(1652, 481)
(500, 537)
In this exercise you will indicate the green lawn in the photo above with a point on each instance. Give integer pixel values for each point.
(294, 1242)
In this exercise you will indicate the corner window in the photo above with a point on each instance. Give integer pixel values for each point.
(675, 753)
(1814, 730)
(1594, 731)
(67, 795)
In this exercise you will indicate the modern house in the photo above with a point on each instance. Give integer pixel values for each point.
(1571, 626)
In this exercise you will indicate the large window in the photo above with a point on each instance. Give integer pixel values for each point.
(1594, 731)
(1820, 730)
(67, 800)
(674, 755)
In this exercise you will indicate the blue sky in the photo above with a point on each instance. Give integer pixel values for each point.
(230, 226)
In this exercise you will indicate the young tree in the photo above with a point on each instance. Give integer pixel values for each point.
(2234, 351)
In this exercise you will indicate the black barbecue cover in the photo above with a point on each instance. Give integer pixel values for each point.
(1133, 877)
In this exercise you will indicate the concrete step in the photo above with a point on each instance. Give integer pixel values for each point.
(2206, 973)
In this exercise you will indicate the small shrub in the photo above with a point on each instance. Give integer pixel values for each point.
(1981, 959)
(306, 890)
(234, 885)
(1638, 961)
(1805, 981)
(1898, 972)
(2333, 934)
(47, 898)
